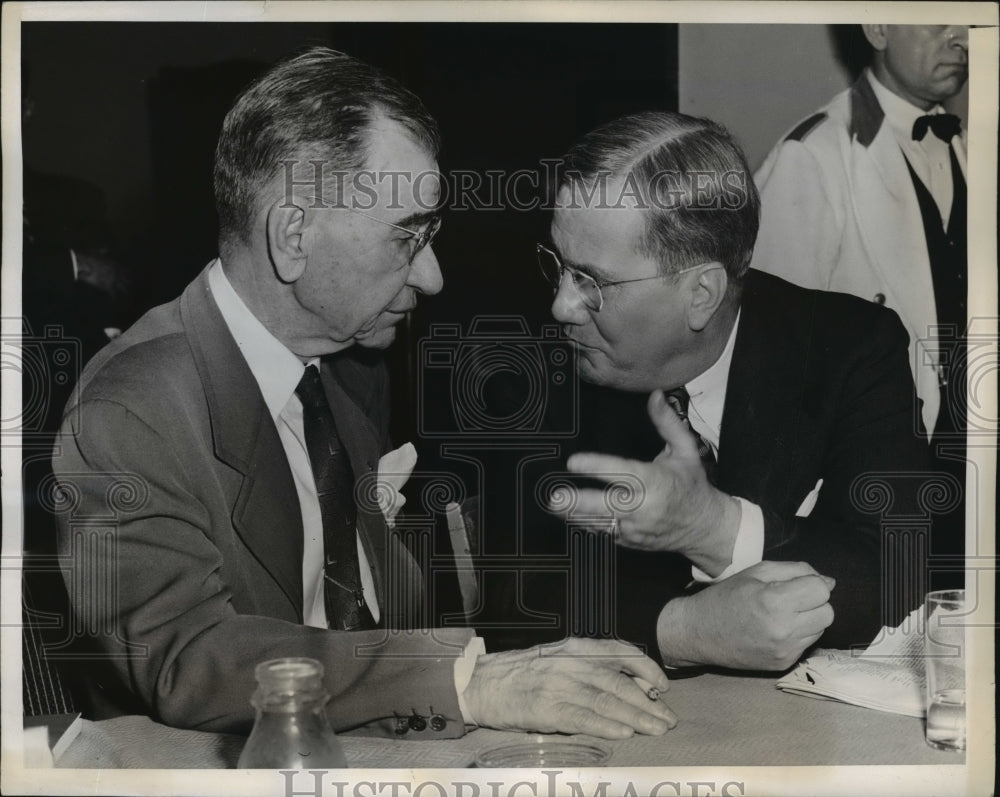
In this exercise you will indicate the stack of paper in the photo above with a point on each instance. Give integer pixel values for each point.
(887, 676)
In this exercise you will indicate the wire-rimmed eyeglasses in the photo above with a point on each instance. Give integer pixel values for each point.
(588, 287)
(418, 238)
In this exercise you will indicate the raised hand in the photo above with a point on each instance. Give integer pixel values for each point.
(576, 686)
(674, 506)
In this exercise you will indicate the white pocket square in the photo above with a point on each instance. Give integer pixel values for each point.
(394, 469)
(806, 508)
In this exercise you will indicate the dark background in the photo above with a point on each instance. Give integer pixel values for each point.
(118, 139)
(134, 109)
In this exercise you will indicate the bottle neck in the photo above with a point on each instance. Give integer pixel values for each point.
(303, 722)
(298, 702)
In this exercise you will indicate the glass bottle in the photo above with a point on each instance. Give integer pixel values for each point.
(291, 730)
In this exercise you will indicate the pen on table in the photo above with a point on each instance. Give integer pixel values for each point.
(651, 691)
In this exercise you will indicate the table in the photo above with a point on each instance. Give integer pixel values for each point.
(724, 720)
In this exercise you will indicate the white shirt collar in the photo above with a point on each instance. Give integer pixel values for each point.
(708, 390)
(276, 369)
(899, 113)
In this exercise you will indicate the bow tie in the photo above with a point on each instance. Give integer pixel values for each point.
(944, 126)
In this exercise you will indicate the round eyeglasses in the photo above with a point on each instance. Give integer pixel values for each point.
(587, 286)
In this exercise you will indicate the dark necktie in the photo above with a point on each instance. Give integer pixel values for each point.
(680, 400)
(344, 597)
(944, 125)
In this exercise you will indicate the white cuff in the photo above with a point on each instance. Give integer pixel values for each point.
(749, 546)
(464, 665)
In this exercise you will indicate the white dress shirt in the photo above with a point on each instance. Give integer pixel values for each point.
(278, 372)
(929, 157)
(708, 399)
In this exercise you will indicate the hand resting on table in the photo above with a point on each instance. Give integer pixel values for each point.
(575, 686)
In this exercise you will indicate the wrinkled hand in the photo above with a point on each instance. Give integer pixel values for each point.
(664, 505)
(759, 619)
(576, 686)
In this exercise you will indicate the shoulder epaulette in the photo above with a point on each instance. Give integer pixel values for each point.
(804, 128)
(866, 113)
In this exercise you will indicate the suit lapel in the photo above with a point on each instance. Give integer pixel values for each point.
(266, 512)
(762, 425)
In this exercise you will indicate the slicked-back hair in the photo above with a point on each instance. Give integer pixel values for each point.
(700, 202)
(317, 106)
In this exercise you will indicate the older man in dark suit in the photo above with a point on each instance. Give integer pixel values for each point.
(772, 405)
(225, 442)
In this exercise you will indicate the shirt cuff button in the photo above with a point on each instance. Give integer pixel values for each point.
(417, 723)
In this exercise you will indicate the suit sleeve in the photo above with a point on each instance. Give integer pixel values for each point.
(149, 577)
(872, 462)
(801, 223)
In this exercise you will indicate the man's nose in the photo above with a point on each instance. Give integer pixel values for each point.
(568, 306)
(425, 273)
(958, 36)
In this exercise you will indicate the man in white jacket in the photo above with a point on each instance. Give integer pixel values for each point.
(867, 197)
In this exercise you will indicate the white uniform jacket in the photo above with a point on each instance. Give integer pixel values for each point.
(839, 212)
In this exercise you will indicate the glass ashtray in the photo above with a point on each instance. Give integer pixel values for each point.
(542, 752)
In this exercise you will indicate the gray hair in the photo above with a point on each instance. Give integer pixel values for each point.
(317, 106)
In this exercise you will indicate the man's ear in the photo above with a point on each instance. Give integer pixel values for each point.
(286, 244)
(707, 293)
(876, 35)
